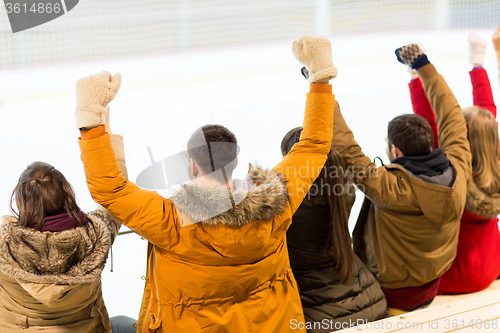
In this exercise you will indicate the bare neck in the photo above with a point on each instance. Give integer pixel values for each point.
(208, 182)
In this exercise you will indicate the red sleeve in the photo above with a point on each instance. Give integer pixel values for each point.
(422, 107)
(481, 90)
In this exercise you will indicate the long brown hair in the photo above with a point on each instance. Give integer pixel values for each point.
(333, 175)
(482, 132)
(43, 191)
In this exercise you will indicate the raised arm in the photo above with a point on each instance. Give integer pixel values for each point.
(481, 88)
(381, 186)
(422, 107)
(452, 129)
(117, 144)
(302, 165)
(144, 212)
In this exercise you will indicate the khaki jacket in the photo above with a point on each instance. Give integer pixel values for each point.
(230, 273)
(51, 281)
(407, 232)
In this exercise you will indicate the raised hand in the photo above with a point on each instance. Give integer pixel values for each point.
(496, 44)
(477, 49)
(412, 55)
(315, 52)
(93, 93)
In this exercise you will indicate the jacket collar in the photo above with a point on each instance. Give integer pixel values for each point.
(68, 257)
(261, 196)
(480, 203)
(432, 168)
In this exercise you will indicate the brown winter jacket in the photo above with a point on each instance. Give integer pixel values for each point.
(67, 296)
(407, 232)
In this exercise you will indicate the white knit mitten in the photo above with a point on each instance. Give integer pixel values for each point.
(477, 49)
(496, 44)
(93, 93)
(315, 52)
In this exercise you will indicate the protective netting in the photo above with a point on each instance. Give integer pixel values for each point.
(116, 28)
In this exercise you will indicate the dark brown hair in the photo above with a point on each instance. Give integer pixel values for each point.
(213, 147)
(43, 191)
(412, 134)
(339, 239)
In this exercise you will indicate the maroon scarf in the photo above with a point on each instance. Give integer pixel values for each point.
(62, 222)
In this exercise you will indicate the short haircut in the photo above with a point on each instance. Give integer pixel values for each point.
(213, 147)
(412, 134)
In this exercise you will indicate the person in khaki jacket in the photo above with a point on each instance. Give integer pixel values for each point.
(52, 256)
(223, 272)
(407, 231)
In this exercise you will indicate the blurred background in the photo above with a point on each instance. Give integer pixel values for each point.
(186, 63)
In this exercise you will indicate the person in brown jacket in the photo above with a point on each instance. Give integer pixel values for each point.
(407, 230)
(52, 256)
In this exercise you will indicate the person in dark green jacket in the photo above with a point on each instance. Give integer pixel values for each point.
(336, 289)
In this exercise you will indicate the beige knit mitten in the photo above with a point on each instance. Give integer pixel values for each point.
(477, 49)
(93, 93)
(315, 52)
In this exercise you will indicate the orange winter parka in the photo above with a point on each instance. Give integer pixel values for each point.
(231, 272)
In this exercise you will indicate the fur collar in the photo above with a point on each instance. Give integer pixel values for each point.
(68, 257)
(481, 204)
(261, 196)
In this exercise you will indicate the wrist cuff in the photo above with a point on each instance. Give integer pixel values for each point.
(321, 88)
(420, 62)
(93, 133)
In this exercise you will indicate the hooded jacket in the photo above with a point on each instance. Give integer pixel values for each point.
(323, 297)
(51, 281)
(407, 233)
(231, 272)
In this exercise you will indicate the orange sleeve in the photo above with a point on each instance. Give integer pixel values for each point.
(321, 88)
(145, 212)
(93, 133)
(302, 165)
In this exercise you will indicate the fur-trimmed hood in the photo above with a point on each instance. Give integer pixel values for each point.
(261, 196)
(48, 265)
(482, 204)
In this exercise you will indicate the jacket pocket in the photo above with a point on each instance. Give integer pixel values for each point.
(155, 324)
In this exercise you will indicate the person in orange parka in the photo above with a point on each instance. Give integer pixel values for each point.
(230, 272)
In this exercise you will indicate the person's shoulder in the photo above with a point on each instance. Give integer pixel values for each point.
(8, 220)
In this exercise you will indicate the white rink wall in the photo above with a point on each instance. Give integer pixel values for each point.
(257, 91)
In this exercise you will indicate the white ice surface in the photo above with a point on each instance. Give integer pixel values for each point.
(255, 90)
